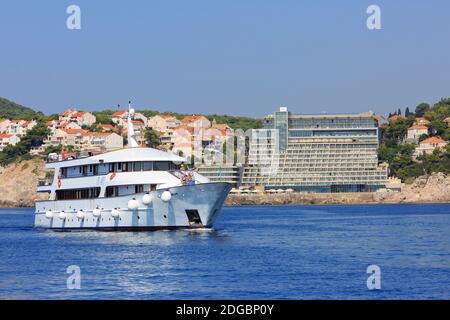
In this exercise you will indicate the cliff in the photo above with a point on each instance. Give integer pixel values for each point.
(18, 189)
(18, 184)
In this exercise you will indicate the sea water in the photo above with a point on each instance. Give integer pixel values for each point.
(254, 252)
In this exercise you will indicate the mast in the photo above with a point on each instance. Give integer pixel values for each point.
(132, 143)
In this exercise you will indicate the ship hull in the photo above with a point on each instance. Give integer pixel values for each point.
(192, 206)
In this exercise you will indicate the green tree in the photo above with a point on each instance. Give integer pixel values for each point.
(421, 109)
(407, 112)
(151, 138)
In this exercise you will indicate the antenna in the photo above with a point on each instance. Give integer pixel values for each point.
(132, 143)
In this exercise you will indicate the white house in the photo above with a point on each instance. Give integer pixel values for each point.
(429, 145)
(4, 125)
(163, 122)
(6, 139)
(83, 118)
(24, 127)
(415, 131)
(106, 140)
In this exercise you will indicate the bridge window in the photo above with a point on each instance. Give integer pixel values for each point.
(147, 166)
(138, 166)
(161, 166)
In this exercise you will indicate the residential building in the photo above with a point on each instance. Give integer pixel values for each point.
(415, 132)
(83, 118)
(420, 121)
(396, 117)
(6, 139)
(66, 115)
(107, 141)
(429, 145)
(197, 121)
(316, 153)
(4, 124)
(14, 127)
(163, 123)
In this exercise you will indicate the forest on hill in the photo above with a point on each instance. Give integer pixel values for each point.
(399, 154)
(12, 110)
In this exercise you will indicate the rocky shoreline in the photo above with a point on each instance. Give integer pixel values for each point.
(426, 189)
(18, 189)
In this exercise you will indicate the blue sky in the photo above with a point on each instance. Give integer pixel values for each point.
(243, 57)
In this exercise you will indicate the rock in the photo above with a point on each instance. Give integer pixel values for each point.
(18, 183)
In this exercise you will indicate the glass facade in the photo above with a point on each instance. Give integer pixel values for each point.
(322, 153)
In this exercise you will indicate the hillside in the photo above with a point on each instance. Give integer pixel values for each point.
(12, 110)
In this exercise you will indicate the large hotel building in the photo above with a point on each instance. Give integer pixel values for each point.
(314, 153)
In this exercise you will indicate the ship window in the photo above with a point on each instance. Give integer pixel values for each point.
(139, 188)
(63, 172)
(161, 166)
(138, 166)
(112, 191)
(77, 194)
(124, 166)
(119, 166)
(147, 166)
(112, 167)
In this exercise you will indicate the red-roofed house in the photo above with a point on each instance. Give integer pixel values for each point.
(198, 121)
(61, 124)
(415, 131)
(24, 127)
(6, 139)
(395, 117)
(83, 118)
(428, 145)
(420, 121)
(15, 127)
(66, 114)
(106, 127)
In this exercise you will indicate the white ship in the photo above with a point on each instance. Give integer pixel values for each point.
(131, 189)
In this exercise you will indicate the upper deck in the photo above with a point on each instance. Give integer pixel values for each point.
(123, 155)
